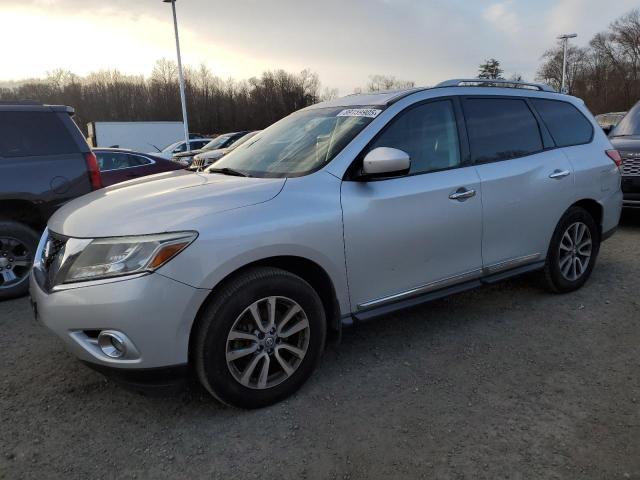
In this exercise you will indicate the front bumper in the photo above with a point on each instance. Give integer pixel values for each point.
(154, 312)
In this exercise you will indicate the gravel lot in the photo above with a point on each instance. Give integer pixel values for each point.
(503, 382)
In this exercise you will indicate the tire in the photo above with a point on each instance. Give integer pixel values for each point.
(18, 244)
(562, 272)
(232, 310)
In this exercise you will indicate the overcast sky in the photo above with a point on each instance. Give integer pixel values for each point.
(344, 41)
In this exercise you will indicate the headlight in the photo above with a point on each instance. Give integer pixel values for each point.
(113, 257)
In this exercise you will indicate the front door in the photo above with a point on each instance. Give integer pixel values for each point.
(417, 233)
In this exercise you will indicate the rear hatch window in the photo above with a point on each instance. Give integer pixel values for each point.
(26, 134)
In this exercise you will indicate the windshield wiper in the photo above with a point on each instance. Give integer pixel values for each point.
(227, 171)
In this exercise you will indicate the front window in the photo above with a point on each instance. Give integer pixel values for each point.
(629, 125)
(300, 143)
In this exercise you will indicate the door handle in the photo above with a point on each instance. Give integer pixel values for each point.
(560, 173)
(462, 194)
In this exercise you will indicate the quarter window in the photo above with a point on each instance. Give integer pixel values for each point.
(428, 133)
(24, 134)
(118, 161)
(500, 129)
(565, 123)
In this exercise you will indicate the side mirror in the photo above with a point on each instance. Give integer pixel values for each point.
(385, 161)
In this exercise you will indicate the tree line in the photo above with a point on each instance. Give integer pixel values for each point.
(214, 105)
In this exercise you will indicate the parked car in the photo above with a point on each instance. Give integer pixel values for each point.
(119, 165)
(221, 141)
(608, 121)
(180, 146)
(44, 162)
(349, 209)
(204, 159)
(626, 138)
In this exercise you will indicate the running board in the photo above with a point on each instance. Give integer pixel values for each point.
(365, 315)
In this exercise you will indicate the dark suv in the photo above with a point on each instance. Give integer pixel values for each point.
(625, 138)
(44, 162)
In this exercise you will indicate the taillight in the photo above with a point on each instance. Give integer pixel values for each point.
(615, 156)
(94, 170)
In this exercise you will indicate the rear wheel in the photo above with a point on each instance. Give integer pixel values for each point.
(573, 251)
(260, 338)
(18, 244)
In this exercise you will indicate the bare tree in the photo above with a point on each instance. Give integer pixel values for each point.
(606, 74)
(378, 83)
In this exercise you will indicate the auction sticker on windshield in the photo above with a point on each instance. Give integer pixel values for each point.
(360, 112)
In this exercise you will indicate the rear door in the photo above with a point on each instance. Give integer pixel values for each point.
(409, 235)
(527, 184)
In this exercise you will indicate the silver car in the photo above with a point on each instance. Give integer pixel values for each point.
(343, 211)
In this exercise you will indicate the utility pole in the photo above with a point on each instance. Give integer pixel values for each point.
(183, 99)
(565, 42)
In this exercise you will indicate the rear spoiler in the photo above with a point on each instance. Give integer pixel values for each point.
(62, 108)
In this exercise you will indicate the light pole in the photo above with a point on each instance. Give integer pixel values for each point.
(180, 76)
(565, 41)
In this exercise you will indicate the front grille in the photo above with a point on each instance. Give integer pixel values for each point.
(631, 164)
(197, 163)
(48, 265)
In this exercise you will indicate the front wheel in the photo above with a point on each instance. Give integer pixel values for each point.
(260, 338)
(572, 254)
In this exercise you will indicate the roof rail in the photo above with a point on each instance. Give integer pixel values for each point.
(482, 82)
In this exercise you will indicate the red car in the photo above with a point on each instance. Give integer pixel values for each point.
(119, 165)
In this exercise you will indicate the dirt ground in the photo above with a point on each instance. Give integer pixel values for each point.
(503, 382)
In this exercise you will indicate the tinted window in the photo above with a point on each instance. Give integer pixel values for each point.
(630, 124)
(500, 129)
(117, 161)
(25, 134)
(428, 133)
(137, 161)
(565, 123)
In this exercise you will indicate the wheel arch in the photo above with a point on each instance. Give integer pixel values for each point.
(308, 270)
(594, 208)
(22, 211)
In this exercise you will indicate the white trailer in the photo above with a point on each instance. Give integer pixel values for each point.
(140, 136)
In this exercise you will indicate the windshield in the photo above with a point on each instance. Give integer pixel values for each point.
(241, 140)
(629, 125)
(298, 144)
(171, 146)
(217, 142)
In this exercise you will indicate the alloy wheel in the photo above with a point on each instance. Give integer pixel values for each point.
(576, 247)
(15, 262)
(267, 342)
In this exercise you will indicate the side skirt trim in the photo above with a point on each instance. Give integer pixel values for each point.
(440, 293)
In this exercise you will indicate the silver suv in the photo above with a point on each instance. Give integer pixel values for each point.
(342, 211)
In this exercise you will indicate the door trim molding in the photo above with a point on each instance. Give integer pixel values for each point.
(450, 281)
(511, 263)
(416, 291)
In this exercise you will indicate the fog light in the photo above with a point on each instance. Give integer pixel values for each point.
(112, 344)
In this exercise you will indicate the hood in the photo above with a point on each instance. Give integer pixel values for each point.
(190, 153)
(630, 144)
(171, 201)
(215, 154)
